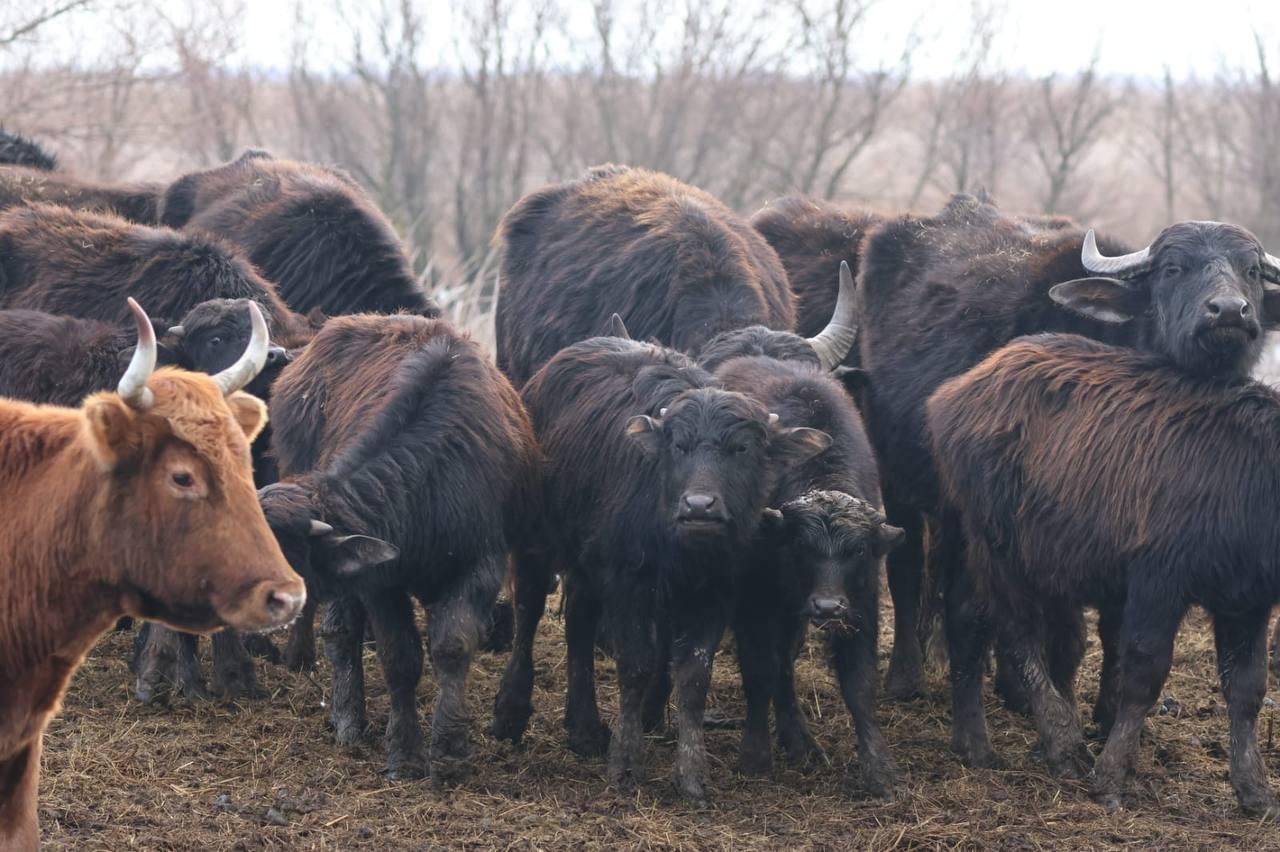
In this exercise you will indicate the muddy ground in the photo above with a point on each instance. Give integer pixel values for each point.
(265, 774)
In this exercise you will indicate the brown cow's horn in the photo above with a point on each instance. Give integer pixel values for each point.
(252, 361)
(1124, 266)
(1271, 267)
(133, 384)
(834, 342)
(319, 528)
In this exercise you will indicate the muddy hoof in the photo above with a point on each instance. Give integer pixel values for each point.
(755, 761)
(510, 723)
(593, 741)
(903, 684)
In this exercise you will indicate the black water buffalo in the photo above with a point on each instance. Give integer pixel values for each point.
(820, 561)
(812, 238)
(1086, 474)
(655, 484)
(674, 262)
(939, 294)
(310, 229)
(30, 175)
(407, 460)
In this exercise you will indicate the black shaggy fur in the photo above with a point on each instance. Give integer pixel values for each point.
(675, 263)
(821, 560)
(311, 230)
(1091, 475)
(18, 150)
(655, 481)
(399, 433)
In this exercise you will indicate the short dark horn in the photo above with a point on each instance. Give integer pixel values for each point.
(617, 328)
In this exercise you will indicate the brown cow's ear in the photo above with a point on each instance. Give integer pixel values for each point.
(800, 443)
(1271, 308)
(646, 432)
(353, 554)
(888, 537)
(250, 412)
(1106, 299)
(113, 430)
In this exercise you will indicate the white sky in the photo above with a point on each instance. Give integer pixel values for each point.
(1134, 37)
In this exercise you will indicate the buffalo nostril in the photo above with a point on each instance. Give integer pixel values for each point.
(828, 607)
(700, 503)
(275, 355)
(1228, 307)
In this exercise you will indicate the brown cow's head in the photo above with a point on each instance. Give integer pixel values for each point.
(178, 512)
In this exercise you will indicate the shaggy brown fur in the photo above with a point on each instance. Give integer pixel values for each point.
(811, 237)
(675, 263)
(81, 264)
(102, 522)
(311, 229)
(24, 185)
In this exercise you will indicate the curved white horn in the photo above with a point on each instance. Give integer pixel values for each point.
(319, 528)
(1123, 266)
(177, 330)
(133, 384)
(1271, 267)
(833, 343)
(252, 361)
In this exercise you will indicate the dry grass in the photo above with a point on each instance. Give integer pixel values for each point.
(266, 776)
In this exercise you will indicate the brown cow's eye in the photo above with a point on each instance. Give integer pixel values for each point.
(184, 480)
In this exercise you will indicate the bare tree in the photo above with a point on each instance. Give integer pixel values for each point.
(17, 24)
(1064, 121)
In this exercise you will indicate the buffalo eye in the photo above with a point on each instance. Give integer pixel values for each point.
(684, 448)
(215, 341)
(1172, 270)
(738, 449)
(1255, 272)
(859, 549)
(184, 480)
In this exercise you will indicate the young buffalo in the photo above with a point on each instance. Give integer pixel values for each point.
(674, 262)
(311, 230)
(1091, 475)
(655, 484)
(406, 460)
(821, 563)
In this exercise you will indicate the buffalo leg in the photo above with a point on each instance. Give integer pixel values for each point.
(514, 704)
(756, 633)
(1147, 631)
(794, 738)
(342, 631)
(1104, 709)
(967, 643)
(653, 715)
(906, 573)
(1242, 667)
(454, 628)
(1057, 722)
(854, 657)
(300, 652)
(234, 674)
(399, 647)
(692, 655)
(588, 736)
(639, 652)
(165, 659)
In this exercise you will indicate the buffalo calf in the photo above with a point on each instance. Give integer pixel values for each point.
(1084, 475)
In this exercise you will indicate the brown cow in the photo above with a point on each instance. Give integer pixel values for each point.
(139, 503)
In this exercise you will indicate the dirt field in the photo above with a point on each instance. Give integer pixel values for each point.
(266, 776)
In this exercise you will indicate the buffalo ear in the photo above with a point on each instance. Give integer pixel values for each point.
(1271, 308)
(888, 537)
(113, 430)
(1106, 299)
(646, 432)
(250, 412)
(855, 381)
(800, 443)
(353, 554)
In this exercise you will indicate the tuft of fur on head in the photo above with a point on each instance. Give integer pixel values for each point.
(18, 150)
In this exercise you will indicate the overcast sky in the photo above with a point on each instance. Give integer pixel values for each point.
(1134, 37)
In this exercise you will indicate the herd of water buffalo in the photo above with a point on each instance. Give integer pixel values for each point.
(695, 421)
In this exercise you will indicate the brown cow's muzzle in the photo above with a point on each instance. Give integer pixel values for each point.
(266, 605)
